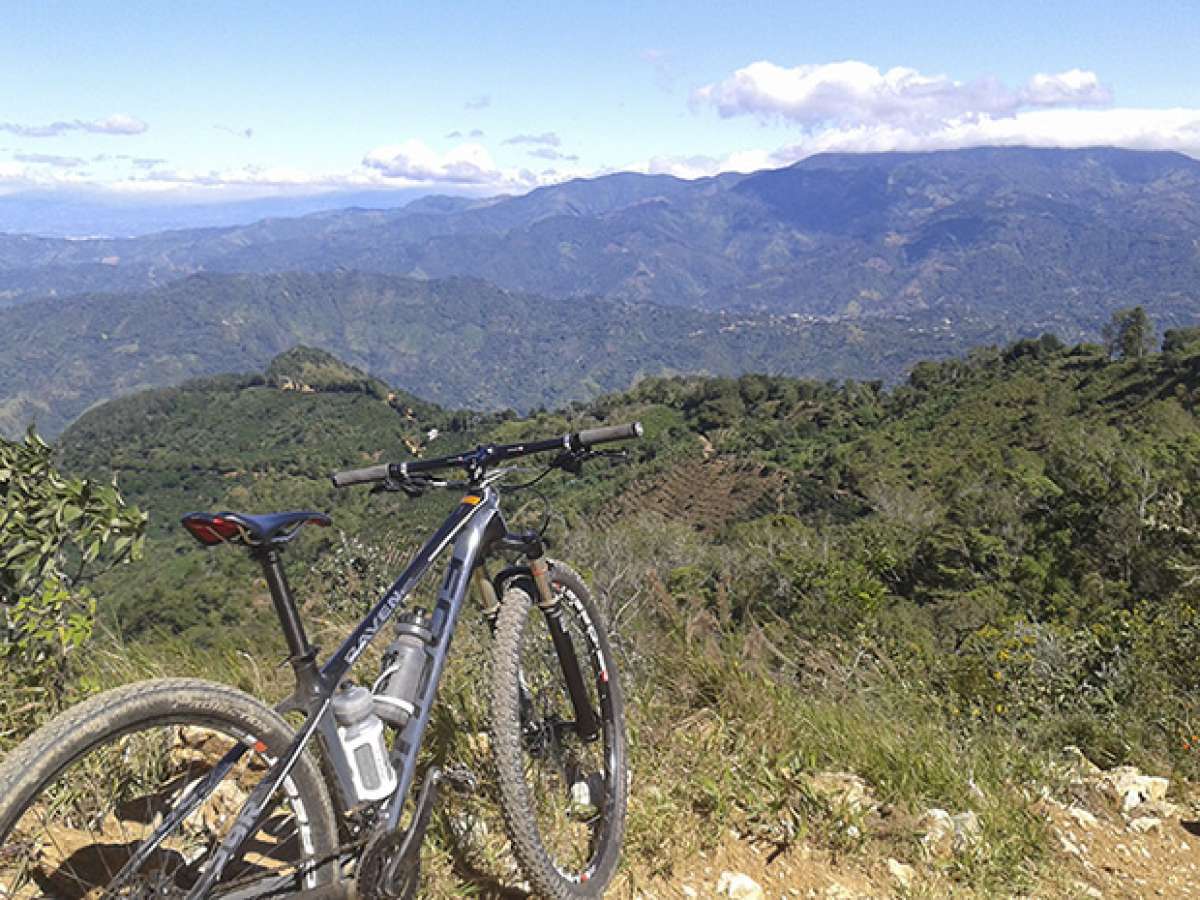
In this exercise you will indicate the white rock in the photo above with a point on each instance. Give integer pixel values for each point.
(966, 829)
(843, 789)
(1160, 809)
(688, 891)
(945, 833)
(1131, 788)
(1145, 824)
(937, 831)
(901, 872)
(739, 886)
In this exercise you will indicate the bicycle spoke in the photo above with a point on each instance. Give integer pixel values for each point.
(77, 839)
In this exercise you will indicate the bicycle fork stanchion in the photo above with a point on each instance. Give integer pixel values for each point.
(586, 725)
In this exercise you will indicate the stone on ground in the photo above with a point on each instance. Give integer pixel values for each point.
(739, 886)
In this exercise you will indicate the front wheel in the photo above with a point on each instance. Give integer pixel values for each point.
(563, 796)
(80, 798)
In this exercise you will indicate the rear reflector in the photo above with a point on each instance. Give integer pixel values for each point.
(210, 531)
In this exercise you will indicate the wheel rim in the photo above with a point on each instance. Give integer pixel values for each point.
(571, 784)
(77, 833)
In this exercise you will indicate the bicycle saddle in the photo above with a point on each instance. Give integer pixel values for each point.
(252, 531)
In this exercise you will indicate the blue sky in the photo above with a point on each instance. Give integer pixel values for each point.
(225, 100)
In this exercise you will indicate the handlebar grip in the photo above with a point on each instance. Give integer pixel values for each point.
(609, 433)
(360, 476)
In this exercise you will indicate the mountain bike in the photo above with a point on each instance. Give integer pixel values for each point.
(186, 788)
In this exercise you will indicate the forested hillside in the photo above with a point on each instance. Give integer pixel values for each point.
(935, 587)
(841, 266)
(1031, 487)
(460, 342)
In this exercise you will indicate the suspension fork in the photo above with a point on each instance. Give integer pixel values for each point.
(550, 603)
(586, 724)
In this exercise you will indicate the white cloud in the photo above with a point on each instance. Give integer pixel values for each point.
(699, 166)
(467, 164)
(415, 160)
(50, 159)
(852, 106)
(545, 139)
(1137, 129)
(466, 169)
(17, 176)
(551, 153)
(853, 93)
(1075, 87)
(114, 124)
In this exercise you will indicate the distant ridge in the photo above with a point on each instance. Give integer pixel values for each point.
(459, 342)
(1035, 237)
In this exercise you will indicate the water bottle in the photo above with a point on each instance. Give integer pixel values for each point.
(361, 736)
(405, 663)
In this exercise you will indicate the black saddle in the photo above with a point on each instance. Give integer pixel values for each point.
(252, 531)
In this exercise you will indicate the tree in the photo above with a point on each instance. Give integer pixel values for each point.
(1180, 340)
(54, 533)
(1129, 333)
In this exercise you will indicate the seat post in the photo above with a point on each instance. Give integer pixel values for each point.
(301, 653)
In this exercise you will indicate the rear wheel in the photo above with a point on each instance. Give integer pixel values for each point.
(79, 797)
(563, 798)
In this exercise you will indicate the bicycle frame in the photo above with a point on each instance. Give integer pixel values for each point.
(471, 528)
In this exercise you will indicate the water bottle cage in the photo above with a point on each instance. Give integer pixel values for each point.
(406, 707)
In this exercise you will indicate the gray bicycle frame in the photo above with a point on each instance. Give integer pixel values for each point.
(470, 529)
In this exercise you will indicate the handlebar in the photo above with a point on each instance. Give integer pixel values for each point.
(608, 433)
(360, 476)
(487, 455)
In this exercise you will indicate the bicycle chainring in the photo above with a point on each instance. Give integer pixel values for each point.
(382, 874)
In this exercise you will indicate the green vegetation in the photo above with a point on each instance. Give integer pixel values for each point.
(55, 532)
(457, 342)
(937, 586)
(1129, 333)
(841, 266)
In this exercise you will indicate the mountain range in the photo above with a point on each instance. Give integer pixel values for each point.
(1039, 236)
(842, 265)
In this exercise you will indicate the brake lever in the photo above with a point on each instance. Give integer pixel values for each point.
(413, 487)
(615, 455)
(569, 461)
(572, 460)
